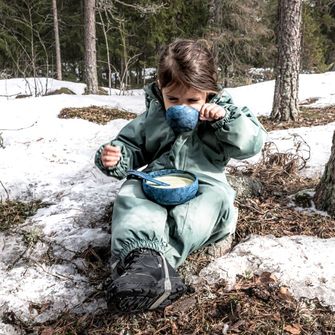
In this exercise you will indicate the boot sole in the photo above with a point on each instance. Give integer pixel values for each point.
(136, 300)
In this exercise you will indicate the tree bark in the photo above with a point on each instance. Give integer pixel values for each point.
(285, 102)
(91, 76)
(324, 197)
(57, 44)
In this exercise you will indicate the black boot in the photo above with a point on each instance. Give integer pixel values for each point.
(148, 282)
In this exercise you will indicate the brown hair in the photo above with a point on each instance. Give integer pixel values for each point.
(188, 63)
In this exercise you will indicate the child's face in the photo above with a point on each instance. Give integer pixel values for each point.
(181, 95)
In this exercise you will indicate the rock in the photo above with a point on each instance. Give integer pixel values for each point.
(245, 186)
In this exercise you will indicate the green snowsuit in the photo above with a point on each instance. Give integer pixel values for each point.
(209, 217)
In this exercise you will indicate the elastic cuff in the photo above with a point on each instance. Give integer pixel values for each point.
(220, 123)
(156, 245)
(117, 171)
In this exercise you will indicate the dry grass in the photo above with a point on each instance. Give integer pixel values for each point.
(308, 117)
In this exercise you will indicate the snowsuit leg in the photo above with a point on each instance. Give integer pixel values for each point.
(174, 231)
(206, 219)
(136, 222)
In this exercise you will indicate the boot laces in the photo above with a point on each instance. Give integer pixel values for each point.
(133, 256)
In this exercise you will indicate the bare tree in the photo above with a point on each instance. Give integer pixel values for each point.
(214, 22)
(111, 18)
(57, 44)
(91, 75)
(26, 46)
(285, 101)
(105, 29)
(324, 197)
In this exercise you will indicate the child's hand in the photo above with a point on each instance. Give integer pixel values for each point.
(210, 112)
(110, 156)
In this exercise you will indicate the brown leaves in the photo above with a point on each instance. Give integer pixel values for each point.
(293, 329)
(213, 310)
(284, 294)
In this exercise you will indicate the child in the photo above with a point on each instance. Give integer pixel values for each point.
(150, 241)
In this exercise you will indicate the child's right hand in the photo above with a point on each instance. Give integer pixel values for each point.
(110, 155)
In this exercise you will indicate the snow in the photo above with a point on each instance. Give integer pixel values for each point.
(302, 263)
(48, 158)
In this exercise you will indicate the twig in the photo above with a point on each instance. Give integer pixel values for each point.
(5, 189)
(20, 128)
(18, 258)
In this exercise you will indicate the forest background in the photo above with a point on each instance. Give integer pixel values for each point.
(129, 35)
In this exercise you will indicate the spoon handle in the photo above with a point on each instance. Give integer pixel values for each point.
(146, 176)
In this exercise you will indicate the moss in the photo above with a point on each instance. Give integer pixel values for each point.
(96, 114)
(16, 212)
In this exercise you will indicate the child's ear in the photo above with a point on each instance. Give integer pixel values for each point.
(158, 84)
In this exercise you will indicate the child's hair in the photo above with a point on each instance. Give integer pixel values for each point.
(188, 63)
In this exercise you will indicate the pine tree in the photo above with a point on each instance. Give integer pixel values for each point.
(324, 197)
(91, 76)
(240, 35)
(285, 101)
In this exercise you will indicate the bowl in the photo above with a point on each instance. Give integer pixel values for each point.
(182, 118)
(183, 187)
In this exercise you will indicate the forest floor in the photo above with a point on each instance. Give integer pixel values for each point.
(257, 304)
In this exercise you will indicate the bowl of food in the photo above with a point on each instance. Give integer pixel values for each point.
(182, 118)
(176, 186)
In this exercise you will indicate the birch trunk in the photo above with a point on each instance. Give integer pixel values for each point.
(57, 43)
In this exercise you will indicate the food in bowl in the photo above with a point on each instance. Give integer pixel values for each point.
(183, 186)
(174, 181)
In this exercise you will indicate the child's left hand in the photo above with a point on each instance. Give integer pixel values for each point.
(210, 112)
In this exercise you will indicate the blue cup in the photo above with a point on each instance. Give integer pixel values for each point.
(182, 118)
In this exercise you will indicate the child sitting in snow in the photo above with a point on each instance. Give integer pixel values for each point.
(150, 241)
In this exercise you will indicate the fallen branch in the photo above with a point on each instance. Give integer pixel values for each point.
(9, 95)
(15, 129)
(1, 142)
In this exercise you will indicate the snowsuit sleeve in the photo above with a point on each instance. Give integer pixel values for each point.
(239, 134)
(142, 140)
(131, 141)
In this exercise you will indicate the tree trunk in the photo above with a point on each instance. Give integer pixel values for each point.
(57, 44)
(104, 30)
(285, 102)
(91, 76)
(324, 197)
